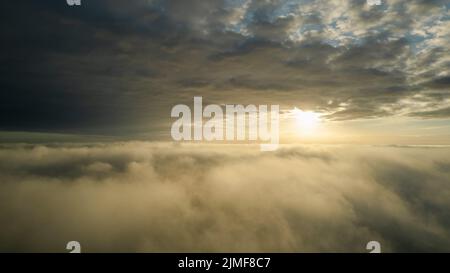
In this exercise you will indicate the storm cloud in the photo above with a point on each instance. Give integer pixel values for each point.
(145, 197)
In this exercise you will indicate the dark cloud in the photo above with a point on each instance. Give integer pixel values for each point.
(440, 113)
(115, 67)
(440, 83)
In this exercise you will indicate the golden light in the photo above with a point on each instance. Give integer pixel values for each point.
(306, 121)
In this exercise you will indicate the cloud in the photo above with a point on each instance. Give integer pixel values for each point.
(442, 113)
(139, 197)
(115, 68)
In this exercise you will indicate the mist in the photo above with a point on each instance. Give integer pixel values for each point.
(164, 197)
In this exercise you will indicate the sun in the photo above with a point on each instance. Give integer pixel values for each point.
(306, 121)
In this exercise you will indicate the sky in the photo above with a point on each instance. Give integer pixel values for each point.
(86, 153)
(114, 69)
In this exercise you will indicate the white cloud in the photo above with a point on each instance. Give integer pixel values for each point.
(164, 197)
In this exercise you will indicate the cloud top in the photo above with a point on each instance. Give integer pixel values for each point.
(140, 197)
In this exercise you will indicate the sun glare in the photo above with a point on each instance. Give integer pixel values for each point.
(306, 121)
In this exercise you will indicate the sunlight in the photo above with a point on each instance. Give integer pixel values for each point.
(306, 121)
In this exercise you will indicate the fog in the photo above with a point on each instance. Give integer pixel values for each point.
(162, 197)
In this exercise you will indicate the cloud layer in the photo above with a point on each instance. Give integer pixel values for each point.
(140, 197)
(117, 67)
